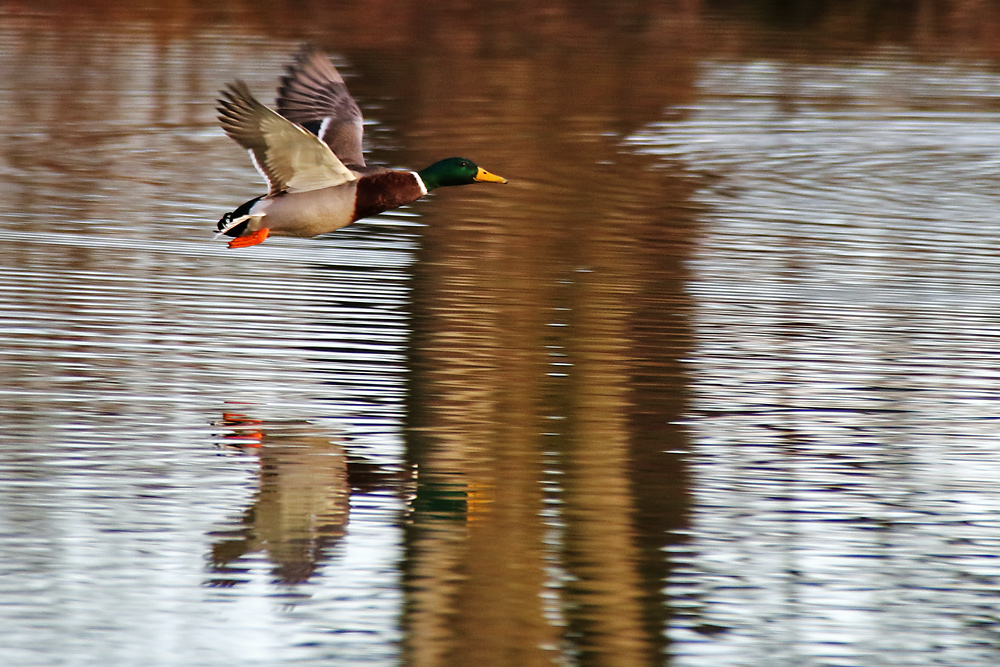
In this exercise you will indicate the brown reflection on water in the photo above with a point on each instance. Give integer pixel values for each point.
(963, 28)
(301, 507)
(302, 504)
(548, 323)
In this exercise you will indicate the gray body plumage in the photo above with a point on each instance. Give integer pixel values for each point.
(305, 213)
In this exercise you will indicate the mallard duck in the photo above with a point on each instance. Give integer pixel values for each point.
(309, 152)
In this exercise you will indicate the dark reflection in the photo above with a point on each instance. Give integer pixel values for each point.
(544, 391)
(546, 376)
(302, 505)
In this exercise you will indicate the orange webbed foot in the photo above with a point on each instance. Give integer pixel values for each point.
(251, 239)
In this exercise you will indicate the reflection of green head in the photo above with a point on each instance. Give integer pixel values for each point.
(456, 171)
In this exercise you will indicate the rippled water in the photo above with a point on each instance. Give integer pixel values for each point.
(116, 482)
(711, 382)
(134, 530)
(845, 372)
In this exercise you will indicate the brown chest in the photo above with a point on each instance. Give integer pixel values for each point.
(383, 191)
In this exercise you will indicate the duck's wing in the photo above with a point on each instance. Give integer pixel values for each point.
(290, 158)
(313, 94)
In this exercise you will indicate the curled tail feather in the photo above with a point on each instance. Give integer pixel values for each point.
(235, 222)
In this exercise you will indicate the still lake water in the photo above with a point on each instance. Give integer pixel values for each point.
(712, 382)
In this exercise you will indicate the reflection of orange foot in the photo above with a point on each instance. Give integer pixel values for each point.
(251, 239)
(245, 434)
(245, 439)
(239, 419)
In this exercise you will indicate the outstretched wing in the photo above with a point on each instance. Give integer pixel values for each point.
(290, 158)
(313, 94)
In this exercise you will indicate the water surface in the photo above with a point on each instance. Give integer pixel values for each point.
(711, 381)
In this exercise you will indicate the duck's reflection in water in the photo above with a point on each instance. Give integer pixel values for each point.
(301, 508)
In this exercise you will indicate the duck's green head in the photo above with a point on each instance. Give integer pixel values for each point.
(456, 171)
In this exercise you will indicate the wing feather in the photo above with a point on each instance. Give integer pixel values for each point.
(314, 95)
(290, 158)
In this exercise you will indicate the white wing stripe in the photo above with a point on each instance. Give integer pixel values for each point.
(260, 169)
(324, 126)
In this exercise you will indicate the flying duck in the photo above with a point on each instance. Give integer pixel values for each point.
(309, 152)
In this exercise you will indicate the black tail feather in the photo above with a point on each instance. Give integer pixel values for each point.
(238, 213)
